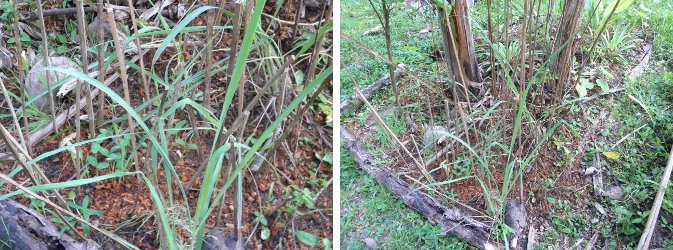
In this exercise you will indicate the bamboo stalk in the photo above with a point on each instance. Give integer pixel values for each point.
(124, 77)
(11, 111)
(45, 63)
(101, 60)
(21, 69)
(134, 24)
(645, 238)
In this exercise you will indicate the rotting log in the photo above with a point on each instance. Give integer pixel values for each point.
(24, 228)
(452, 220)
(352, 103)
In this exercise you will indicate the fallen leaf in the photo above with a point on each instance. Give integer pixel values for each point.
(611, 155)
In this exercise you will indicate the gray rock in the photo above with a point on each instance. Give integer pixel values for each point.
(434, 136)
(590, 171)
(614, 192)
(216, 240)
(369, 242)
(36, 79)
(515, 217)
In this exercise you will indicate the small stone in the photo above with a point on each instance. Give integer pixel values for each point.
(36, 79)
(600, 208)
(433, 136)
(216, 240)
(590, 171)
(595, 221)
(614, 192)
(369, 242)
(515, 216)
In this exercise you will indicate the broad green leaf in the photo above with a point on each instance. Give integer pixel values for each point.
(265, 234)
(612, 155)
(307, 238)
(604, 85)
(581, 90)
(586, 83)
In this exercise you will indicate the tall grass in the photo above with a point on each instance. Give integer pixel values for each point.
(174, 93)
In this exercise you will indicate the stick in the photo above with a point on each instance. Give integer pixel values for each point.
(390, 132)
(644, 242)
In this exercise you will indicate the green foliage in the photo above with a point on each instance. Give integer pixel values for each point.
(299, 197)
(396, 125)
(116, 154)
(7, 10)
(614, 42)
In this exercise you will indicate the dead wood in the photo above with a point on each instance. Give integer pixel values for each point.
(452, 220)
(352, 103)
(27, 229)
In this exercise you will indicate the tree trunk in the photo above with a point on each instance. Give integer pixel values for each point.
(572, 14)
(459, 43)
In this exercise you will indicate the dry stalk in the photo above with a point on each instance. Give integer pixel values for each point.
(101, 60)
(21, 69)
(85, 69)
(14, 117)
(45, 58)
(134, 24)
(391, 134)
(644, 242)
(317, 46)
(78, 88)
(124, 77)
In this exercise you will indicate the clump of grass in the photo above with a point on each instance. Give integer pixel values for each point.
(149, 127)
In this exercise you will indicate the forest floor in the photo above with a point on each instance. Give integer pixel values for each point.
(286, 204)
(626, 133)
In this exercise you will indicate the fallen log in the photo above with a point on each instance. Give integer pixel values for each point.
(24, 228)
(352, 103)
(452, 220)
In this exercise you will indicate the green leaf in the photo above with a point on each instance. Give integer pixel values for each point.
(327, 244)
(586, 83)
(551, 200)
(103, 165)
(581, 90)
(95, 148)
(91, 160)
(299, 77)
(176, 30)
(612, 155)
(604, 85)
(307, 238)
(265, 234)
(62, 39)
(62, 49)
(327, 158)
(72, 195)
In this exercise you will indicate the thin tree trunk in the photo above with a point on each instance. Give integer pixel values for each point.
(572, 13)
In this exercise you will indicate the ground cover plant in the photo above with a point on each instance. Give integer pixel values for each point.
(167, 125)
(562, 143)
